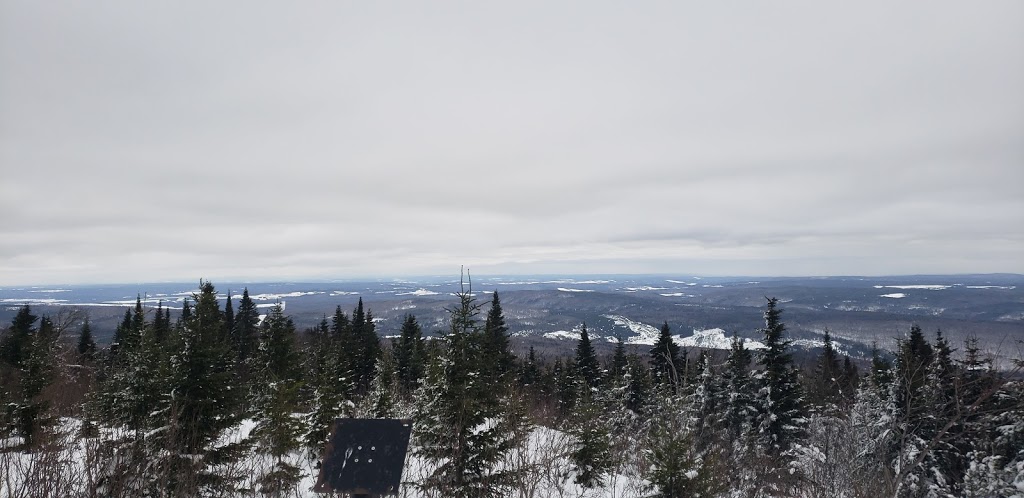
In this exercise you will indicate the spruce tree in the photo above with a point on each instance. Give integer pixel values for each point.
(780, 413)
(275, 398)
(530, 373)
(463, 427)
(15, 344)
(329, 385)
(245, 333)
(366, 347)
(409, 354)
(229, 317)
(826, 377)
(738, 412)
(587, 368)
(203, 398)
(86, 344)
(37, 369)
(666, 366)
(619, 361)
(498, 358)
(383, 389)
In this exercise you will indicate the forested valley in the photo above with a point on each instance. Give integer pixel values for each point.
(220, 401)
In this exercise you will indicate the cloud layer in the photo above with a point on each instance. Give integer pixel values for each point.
(153, 142)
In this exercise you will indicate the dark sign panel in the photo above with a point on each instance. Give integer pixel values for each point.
(364, 456)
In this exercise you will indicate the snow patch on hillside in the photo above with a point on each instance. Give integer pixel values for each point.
(1003, 287)
(418, 292)
(644, 334)
(275, 297)
(561, 334)
(895, 295)
(933, 287)
(645, 288)
(713, 339)
(566, 289)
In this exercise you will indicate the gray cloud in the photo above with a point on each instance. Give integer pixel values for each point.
(154, 142)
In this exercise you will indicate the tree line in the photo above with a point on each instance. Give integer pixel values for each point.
(161, 410)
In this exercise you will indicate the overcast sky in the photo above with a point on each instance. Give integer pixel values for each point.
(150, 141)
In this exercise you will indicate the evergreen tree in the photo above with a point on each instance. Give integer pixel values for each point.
(275, 398)
(738, 409)
(37, 369)
(365, 348)
(409, 354)
(591, 454)
(229, 317)
(780, 419)
(462, 425)
(530, 374)
(826, 377)
(203, 398)
(587, 367)
(245, 333)
(619, 361)
(498, 358)
(638, 384)
(15, 344)
(329, 384)
(383, 395)
(666, 365)
(678, 469)
(881, 369)
(86, 344)
(161, 323)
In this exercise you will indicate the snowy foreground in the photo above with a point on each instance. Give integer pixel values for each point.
(67, 473)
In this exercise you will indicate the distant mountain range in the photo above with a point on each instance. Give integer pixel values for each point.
(547, 311)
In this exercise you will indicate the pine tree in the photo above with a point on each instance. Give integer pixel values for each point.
(462, 425)
(666, 365)
(587, 368)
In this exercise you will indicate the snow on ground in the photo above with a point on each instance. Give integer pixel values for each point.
(644, 288)
(917, 287)
(645, 334)
(677, 294)
(566, 289)
(33, 301)
(1003, 287)
(274, 297)
(562, 334)
(713, 339)
(418, 292)
(545, 456)
(895, 295)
